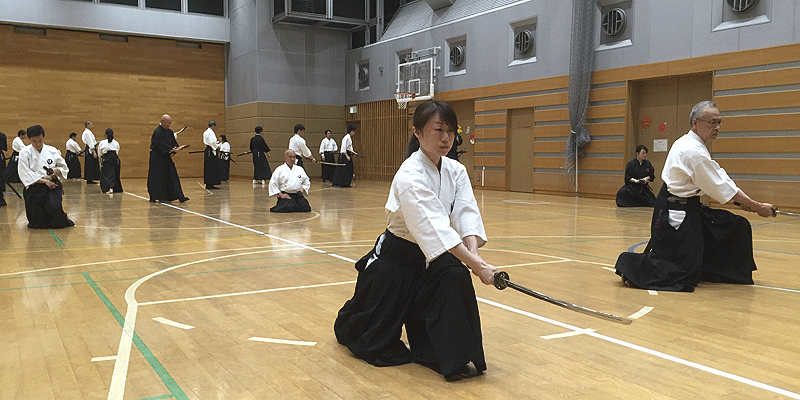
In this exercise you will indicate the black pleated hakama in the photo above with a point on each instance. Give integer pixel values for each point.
(43, 207)
(110, 173)
(74, 165)
(163, 183)
(328, 170)
(91, 169)
(210, 167)
(710, 245)
(343, 174)
(436, 304)
(295, 203)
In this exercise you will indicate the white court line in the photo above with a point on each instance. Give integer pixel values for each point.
(531, 263)
(172, 323)
(106, 358)
(119, 377)
(609, 269)
(217, 296)
(204, 188)
(652, 292)
(651, 352)
(282, 341)
(640, 313)
(567, 334)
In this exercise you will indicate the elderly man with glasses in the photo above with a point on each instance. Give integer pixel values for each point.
(691, 242)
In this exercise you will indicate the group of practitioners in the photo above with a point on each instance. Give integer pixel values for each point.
(417, 275)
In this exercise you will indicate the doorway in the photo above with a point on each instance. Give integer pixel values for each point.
(660, 112)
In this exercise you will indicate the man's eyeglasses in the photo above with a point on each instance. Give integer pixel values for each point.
(715, 122)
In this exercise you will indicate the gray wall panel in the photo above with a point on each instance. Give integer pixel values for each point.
(241, 79)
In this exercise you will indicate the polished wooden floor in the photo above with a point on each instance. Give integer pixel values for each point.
(217, 298)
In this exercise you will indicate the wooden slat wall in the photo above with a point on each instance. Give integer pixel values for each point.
(278, 121)
(63, 78)
(384, 130)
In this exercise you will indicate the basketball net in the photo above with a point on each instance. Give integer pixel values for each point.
(403, 98)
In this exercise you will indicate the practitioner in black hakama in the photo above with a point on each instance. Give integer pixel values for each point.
(691, 242)
(11, 174)
(91, 164)
(224, 159)
(163, 183)
(288, 184)
(72, 159)
(260, 151)
(327, 152)
(211, 157)
(40, 167)
(414, 276)
(343, 175)
(638, 174)
(110, 167)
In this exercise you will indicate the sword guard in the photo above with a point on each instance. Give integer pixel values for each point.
(501, 280)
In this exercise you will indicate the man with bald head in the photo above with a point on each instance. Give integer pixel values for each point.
(289, 182)
(691, 242)
(163, 183)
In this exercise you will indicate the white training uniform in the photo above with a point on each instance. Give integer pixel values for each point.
(88, 138)
(298, 145)
(225, 148)
(17, 144)
(434, 209)
(690, 171)
(73, 146)
(328, 144)
(103, 146)
(32, 162)
(210, 139)
(289, 180)
(347, 144)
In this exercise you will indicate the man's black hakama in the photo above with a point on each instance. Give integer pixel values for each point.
(74, 165)
(343, 174)
(327, 170)
(295, 203)
(43, 207)
(109, 173)
(710, 245)
(91, 169)
(163, 183)
(437, 304)
(210, 167)
(637, 194)
(2, 172)
(261, 170)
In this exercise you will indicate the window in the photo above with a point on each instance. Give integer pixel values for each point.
(212, 7)
(174, 5)
(123, 2)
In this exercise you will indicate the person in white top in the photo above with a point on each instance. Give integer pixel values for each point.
(298, 145)
(343, 175)
(91, 163)
(210, 158)
(3, 149)
(10, 174)
(72, 159)
(109, 173)
(416, 274)
(224, 158)
(39, 168)
(327, 151)
(289, 182)
(691, 242)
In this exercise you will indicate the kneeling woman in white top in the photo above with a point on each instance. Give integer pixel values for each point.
(109, 171)
(414, 275)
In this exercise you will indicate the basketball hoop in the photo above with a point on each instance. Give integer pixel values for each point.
(403, 98)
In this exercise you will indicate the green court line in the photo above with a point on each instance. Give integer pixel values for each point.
(163, 396)
(159, 369)
(53, 234)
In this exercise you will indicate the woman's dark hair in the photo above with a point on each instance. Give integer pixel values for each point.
(640, 148)
(21, 133)
(72, 135)
(110, 134)
(224, 139)
(424, 113)
(351, 128)
(3, 144)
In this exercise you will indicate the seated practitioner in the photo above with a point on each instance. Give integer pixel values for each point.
(39, 168)
(288, 182)
(691, 242)
(638, 174)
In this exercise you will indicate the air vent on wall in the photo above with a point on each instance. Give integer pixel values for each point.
(363, 75)
(741, 5)
(614, 22)
(457, 55)
(523, 41)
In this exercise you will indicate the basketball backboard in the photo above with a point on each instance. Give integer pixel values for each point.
(416, 77)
